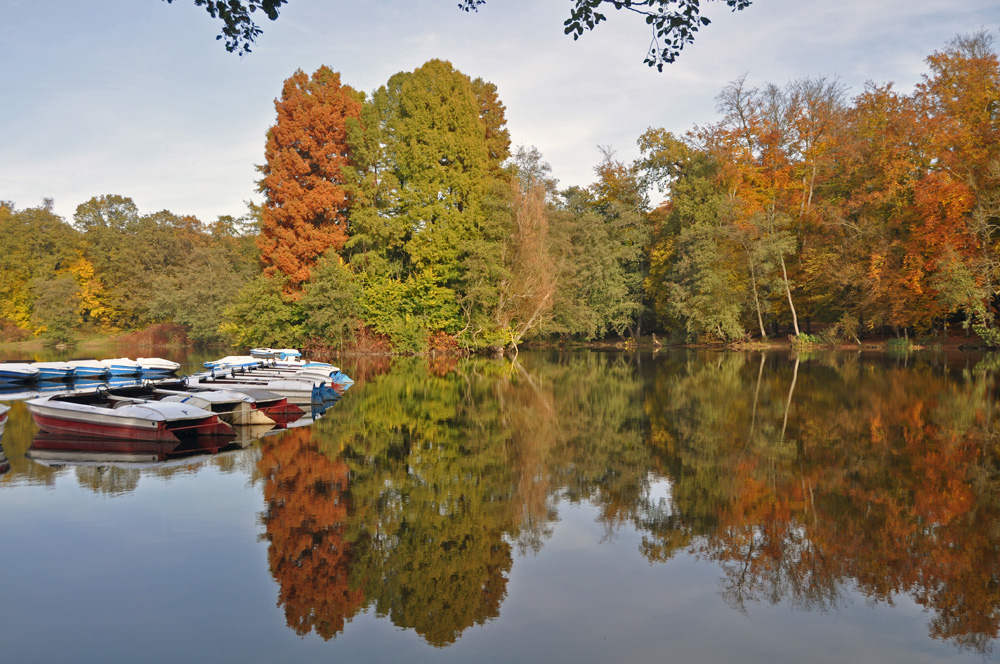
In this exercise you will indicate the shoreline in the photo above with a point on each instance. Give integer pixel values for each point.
(951, 343)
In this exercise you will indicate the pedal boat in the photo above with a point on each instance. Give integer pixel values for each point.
(105, 416)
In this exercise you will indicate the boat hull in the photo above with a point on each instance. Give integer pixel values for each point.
(56, 417)
(54, 371)
(17, 372)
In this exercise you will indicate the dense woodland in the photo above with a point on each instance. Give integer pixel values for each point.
(404, 220)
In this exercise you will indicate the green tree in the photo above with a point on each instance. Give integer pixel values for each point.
(36, 247)
(620, 196)
(263, 315)
(197, 290)
(592, 282)
(55, 307)
(331, 302)
(428, 236)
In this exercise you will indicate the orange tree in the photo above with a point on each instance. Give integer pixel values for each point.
(306, 152)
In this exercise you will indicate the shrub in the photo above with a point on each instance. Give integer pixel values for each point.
(807, 340)
(899, 346)
(10, 331)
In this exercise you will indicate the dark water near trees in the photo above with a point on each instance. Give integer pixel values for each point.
(590, 507)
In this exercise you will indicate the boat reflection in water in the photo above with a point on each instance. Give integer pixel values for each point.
(52, 448)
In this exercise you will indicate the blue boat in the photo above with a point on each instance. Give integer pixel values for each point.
(54, 370)
(88, 369)
(17, 372)
(123, 366)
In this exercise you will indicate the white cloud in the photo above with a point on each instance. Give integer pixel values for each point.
(138, 98)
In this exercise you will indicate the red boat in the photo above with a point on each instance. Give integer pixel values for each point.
(106, 416)
(64, 449)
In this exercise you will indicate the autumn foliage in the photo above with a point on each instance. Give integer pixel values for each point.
(307, 508)
(873, 213)
(394, 219)
(306, 209)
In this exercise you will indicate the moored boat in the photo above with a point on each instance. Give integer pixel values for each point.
(325, 374)
(157, 365)
(276, 353)
(54, 370)
(123, 366)
(18, 372)
(89, 369)
(231, 407)
(277, 407)
(234, 362)
(298, 392)
(102, 415)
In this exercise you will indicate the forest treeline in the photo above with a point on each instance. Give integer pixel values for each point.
(404, 219)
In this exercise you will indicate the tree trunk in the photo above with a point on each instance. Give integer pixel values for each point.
(756, 300)
(788, 403)
(788, 290)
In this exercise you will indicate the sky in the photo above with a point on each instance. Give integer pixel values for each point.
(138, 98)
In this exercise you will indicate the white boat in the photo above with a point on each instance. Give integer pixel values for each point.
(123, 366)
(234, 362)
(297, 391)
(275, 406)
(98, 415)
(324, 373)
(89, 369)
(156, 365)
(231, 407)
(54, 370)
(17, 372)
(276, 353)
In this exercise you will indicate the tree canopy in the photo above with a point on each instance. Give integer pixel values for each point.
(673, 22)
(238, 27)
(404, 220)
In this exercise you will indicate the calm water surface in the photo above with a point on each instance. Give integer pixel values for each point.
(576, 507)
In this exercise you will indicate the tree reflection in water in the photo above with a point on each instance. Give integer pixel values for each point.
(802, 478)
(885, 479)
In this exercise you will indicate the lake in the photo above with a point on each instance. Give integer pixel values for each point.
(562, 507)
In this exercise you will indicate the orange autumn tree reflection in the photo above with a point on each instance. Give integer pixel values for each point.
(882, 478)
(307, 499)
(400, 500)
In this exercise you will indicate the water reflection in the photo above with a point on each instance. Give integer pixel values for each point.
(409, 516)
(874, 476)
(802, 478)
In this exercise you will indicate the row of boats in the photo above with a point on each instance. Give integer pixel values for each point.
(31, 372)
(233, 398)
